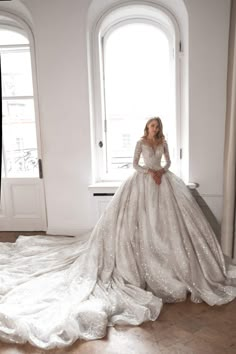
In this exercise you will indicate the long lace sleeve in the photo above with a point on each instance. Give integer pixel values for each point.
(167, 156)
(137, 153)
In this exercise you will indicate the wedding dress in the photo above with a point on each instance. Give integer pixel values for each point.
(152, 245)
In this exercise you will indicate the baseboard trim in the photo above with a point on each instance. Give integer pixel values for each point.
(64, 231)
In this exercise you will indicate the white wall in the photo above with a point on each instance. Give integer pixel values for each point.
(59, 27)
(60, 36)
(208, 47)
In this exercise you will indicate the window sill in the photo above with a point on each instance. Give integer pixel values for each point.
(104, 187)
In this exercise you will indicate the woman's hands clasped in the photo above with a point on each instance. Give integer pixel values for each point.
(157, 175)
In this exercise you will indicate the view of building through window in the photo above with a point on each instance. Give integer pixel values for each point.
(139, 84)
(19, 133)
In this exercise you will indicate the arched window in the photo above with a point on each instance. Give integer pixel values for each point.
(135, 71)
(22, 206)
(20, 156)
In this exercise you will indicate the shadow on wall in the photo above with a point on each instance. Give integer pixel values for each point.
(208, 213)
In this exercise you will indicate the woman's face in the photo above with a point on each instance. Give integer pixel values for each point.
(153, 128)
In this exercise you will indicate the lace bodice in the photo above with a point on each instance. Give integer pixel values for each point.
(151, 155)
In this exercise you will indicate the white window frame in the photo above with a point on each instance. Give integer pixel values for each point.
(11, 22)
(30, 214)
(13, 98)
(111, 20)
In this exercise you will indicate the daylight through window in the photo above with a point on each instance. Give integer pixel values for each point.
(139, 81)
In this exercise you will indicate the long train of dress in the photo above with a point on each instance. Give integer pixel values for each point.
(152, 245)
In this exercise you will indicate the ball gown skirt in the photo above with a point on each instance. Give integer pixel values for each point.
(151, 246)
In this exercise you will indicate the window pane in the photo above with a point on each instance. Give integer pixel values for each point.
(19, 136)
(139, 80)
(10, 37)
(121, 140)
(16, 73)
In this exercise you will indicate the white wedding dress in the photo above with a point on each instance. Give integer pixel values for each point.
(152, 245)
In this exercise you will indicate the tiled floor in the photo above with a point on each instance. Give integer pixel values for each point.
(182, 328)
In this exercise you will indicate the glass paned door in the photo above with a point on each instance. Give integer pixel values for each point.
(20, 143)
(23, 199)
(20, 156)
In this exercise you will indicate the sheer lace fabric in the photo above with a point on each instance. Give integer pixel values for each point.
(152, 245)
(152, 156)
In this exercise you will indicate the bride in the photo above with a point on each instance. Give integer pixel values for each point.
(151, 246)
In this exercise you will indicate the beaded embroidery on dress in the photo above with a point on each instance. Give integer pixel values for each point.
(152, 245)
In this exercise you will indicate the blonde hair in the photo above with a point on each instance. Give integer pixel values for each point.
(159, 136)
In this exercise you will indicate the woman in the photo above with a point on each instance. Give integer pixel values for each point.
(152, 245)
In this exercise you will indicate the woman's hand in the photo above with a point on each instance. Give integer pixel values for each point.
(154, 176)
(157, 175)
(152, 173)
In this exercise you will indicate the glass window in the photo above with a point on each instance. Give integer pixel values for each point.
(20, 144)
(138, 84)
(16, 72)
(9, 37)
(20, 157)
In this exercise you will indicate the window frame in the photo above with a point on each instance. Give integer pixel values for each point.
(110, 21)
(13, 23)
